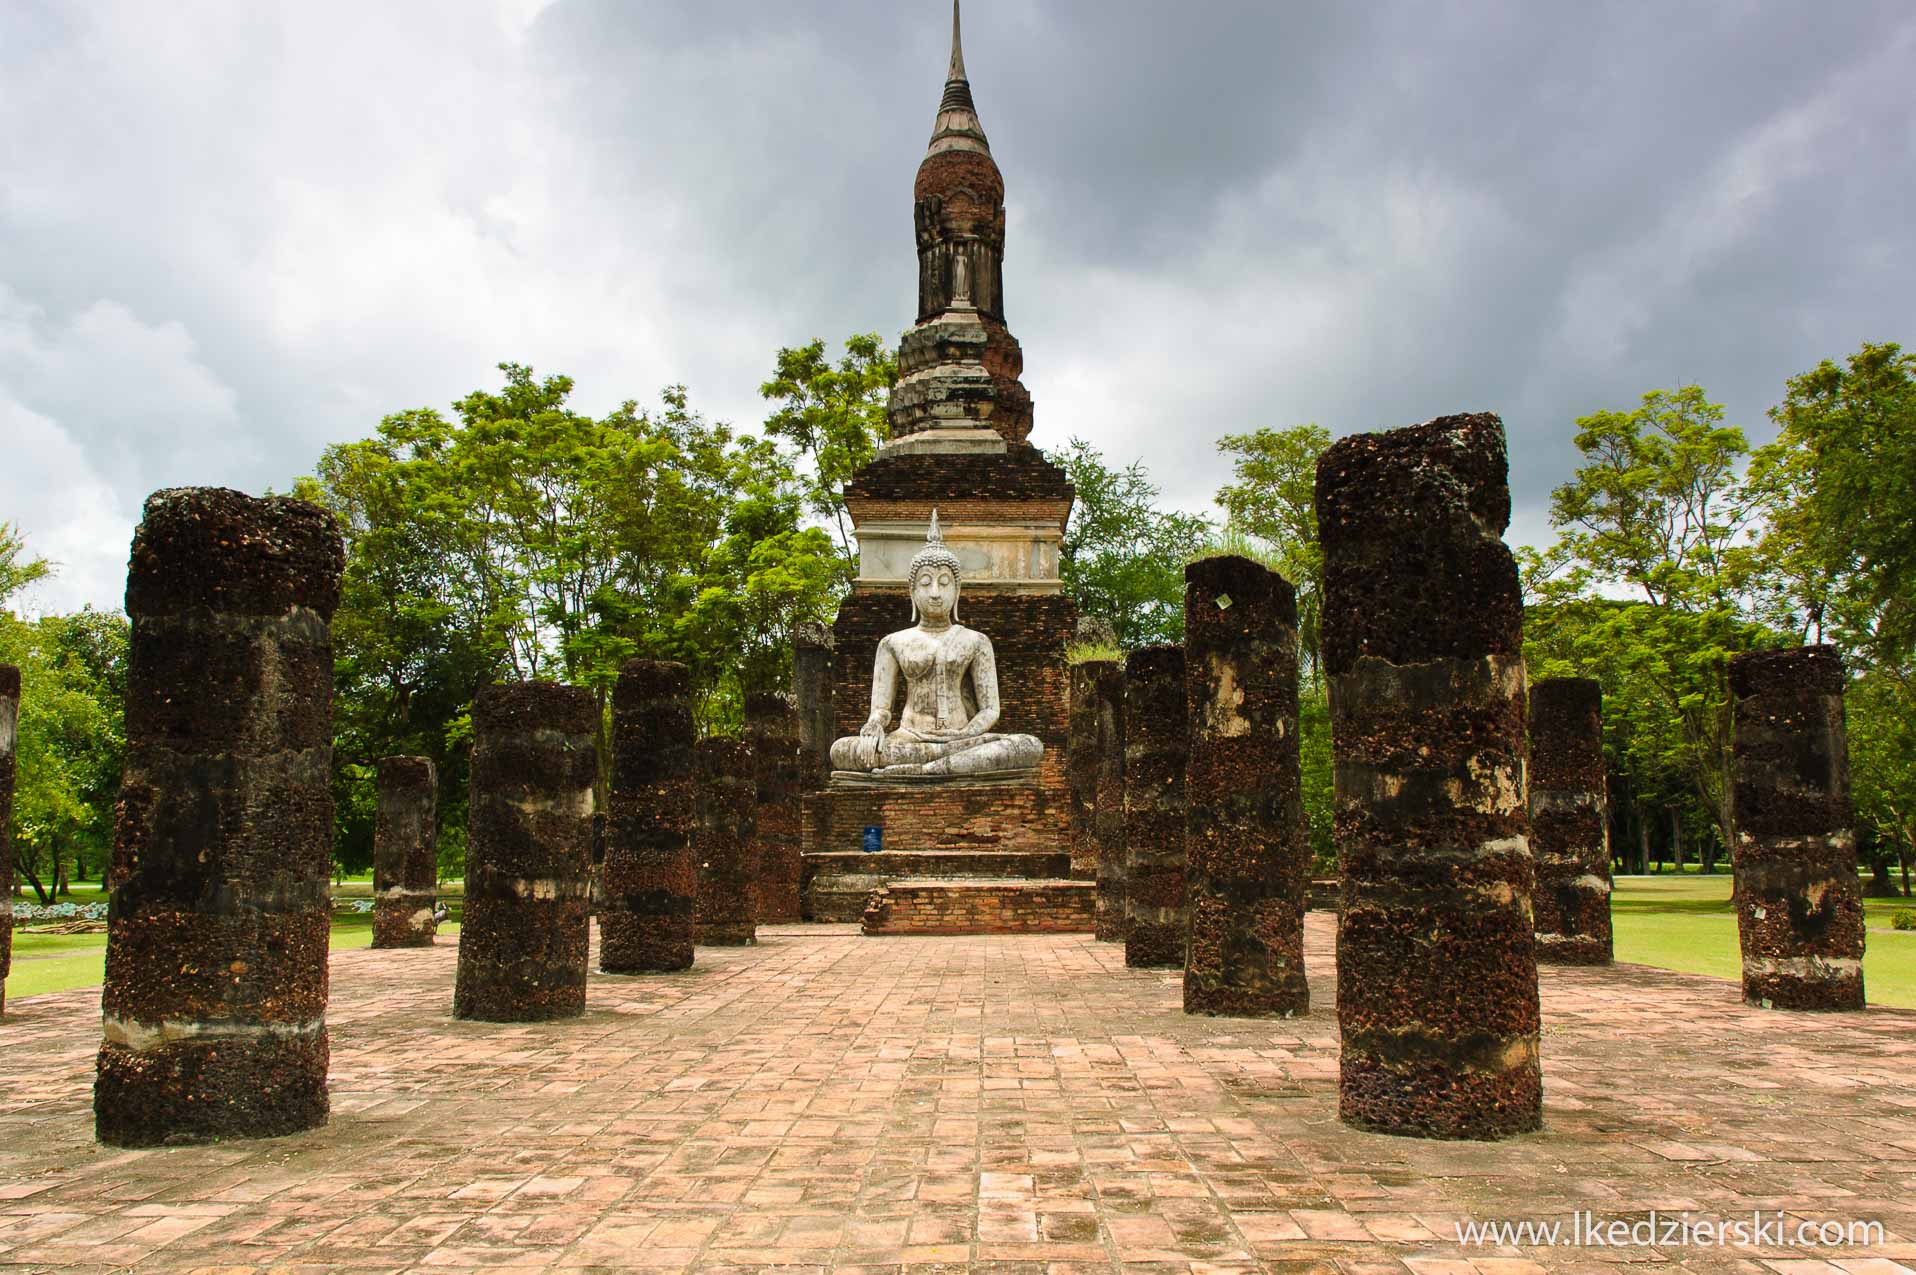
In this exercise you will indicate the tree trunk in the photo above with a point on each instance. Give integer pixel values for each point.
(33, 881)
(1676, 838)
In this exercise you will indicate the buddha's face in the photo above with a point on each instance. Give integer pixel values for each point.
(934, 591)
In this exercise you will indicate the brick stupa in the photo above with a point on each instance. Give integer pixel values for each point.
(974, 852)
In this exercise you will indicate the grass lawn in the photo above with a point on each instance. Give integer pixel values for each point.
(1686, 923)
(61, 962)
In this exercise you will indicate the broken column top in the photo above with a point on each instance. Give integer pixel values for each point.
(814, 634)
(1796, 671)
(219, 548)
(650, 679)
(1242, 588)
(535, 706)
(773, 711)
(9, 681)
(1566, 733)
(1423, 573)
(405, 770)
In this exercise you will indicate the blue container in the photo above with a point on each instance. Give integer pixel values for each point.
(874, 838)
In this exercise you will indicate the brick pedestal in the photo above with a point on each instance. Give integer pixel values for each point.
(1423, 637)
(650, 877)
(1569, 822)
(771, 726)
(405, 853)
(726, 797)
(1246, 838)
(1799, 904)
(524, 933)
(214, 1005)
(9, 720)
(1156, 740)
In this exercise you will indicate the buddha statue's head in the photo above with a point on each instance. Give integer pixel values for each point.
(933, 578)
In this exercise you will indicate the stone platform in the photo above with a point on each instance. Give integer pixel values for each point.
(837, 886)
(1018, 1105)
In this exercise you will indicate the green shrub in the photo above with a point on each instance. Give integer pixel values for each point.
(1902, 919)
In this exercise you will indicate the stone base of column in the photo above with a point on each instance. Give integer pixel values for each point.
(1111, 919)
(523, 960)
(1392, 1086)
(727, 934)
(1776, 925)
(646, 926)
(1150, 945)
(1557, 949)
(404, 918)
(264, 1083)
(1227, 975)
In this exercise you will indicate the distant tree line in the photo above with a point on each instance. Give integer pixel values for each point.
(517, 537)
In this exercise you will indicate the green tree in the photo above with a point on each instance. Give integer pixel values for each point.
(1838, 489)
(835, 416)
(17, 570)
(1123, 558)
(70, 743)
(1273, 497)
(1658, 511)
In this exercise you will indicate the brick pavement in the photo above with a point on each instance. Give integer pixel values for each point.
(1016, 1104)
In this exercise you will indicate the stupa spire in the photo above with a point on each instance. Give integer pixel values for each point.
(957, 127)
(957, 48)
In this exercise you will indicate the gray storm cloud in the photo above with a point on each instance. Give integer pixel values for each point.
(234, 234)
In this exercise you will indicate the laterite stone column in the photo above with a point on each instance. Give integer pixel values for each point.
(1799, 903)
(214, 1006)
(1154, 755)
(651, 881)
(525, 930)
(1081, 768)
(812, 647)
(771, 726)
(405, 853)
(1107, 821)
(9, 722)
(727, 799)
(1246, 838)
(1423, 642)
(1569, 822)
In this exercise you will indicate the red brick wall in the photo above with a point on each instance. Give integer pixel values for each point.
(980, 907)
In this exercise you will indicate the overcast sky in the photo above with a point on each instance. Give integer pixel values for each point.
(231, 234)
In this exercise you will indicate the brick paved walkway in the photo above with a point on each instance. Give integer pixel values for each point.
(1017, 1104)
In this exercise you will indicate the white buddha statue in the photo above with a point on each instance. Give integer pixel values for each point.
(951, 695)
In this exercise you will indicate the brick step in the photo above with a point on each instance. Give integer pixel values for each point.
(837, 883)
(972, 905)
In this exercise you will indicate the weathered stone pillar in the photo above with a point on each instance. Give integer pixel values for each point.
(1799, 903)
(405, 853)
(214, 1006)
(1107, 820)
(1569, 822)
(1154, 755)
(651, 880)
(524, 934)
(1423, 641)
(812, 647)
(771, 727)
(1081, 768)
(9, 721)
(1246, 838)
(722, 842)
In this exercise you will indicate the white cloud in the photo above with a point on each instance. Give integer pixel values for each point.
(66, 512)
